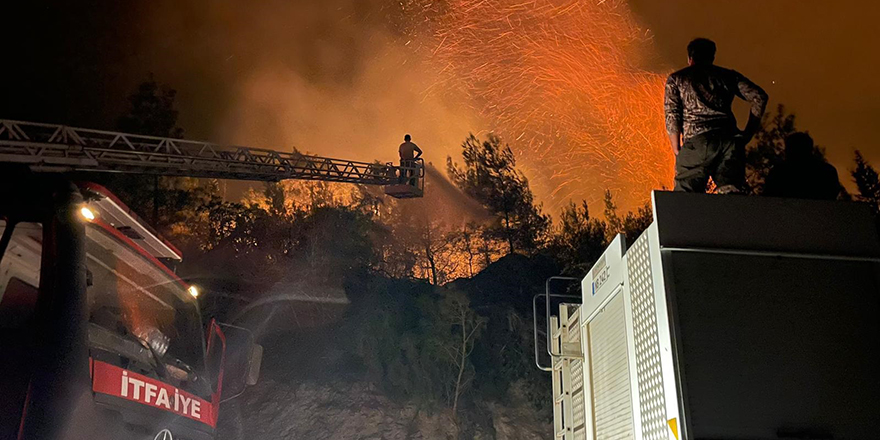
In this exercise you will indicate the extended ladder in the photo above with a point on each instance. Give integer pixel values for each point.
(59, 148)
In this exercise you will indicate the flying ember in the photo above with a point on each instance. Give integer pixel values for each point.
(561, 81)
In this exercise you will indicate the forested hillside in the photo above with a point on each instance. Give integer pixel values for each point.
(392, 319)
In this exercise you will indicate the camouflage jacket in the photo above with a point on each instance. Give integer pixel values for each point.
(699, 98)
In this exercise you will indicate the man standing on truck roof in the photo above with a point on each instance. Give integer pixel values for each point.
(409, 152)
(700, 123)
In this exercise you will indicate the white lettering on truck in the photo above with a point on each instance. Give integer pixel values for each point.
(159, 396)
(185, 403)
(150, 392)
(114, 381)
(137, 384)
(163, 398)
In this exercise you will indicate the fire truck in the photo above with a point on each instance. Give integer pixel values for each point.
(99, 338)
(730, 317)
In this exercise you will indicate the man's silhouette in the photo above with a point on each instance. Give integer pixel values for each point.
(700, 123)
(409, 152)
(803, 174)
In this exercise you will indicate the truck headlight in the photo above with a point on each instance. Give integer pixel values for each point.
(87, 213)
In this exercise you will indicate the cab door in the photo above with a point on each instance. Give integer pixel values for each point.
(19, 289)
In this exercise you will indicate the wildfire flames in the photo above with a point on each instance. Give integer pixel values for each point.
(560, 81)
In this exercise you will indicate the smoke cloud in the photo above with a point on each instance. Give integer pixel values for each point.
(332, 78)
(348, 78)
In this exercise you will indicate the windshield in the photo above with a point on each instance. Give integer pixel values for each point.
(132, 296)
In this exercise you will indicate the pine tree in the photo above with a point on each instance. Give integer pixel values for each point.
(867, 181)
(489, 175)
(580, 239)
(151, 111)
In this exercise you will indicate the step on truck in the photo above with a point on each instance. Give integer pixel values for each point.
(100, 338)
(730, 317)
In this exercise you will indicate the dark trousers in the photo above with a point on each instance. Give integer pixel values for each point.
(407, 174)
(717, 154)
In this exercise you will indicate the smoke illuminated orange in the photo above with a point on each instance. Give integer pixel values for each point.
(560, 81)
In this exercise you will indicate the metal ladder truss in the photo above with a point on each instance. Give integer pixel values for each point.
(59, 148)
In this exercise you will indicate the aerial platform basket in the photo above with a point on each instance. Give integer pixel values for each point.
(403, 191)
(410, 180)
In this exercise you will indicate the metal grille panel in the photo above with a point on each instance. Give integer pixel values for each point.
(576, 366)
(577, 396)
(610, 373)
(652, 405)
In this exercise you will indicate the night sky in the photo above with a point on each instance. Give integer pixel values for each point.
(75, 62)
(819, 58)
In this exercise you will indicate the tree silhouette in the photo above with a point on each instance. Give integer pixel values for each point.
(768, 149)
(631, 225)
(489, 175)
(151, 111)
(580, 239)
(635, 222)
(867, 181)
(173, 205)
(454, 331)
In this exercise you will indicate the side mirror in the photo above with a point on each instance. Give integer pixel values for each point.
(242, 361)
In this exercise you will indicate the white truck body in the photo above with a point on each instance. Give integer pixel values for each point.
(728, 318)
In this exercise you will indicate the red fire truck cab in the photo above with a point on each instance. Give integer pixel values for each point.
(99, 337)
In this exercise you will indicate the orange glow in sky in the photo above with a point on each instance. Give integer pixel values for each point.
(561, 81)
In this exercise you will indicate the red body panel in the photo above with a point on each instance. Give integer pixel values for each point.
(117, 382)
